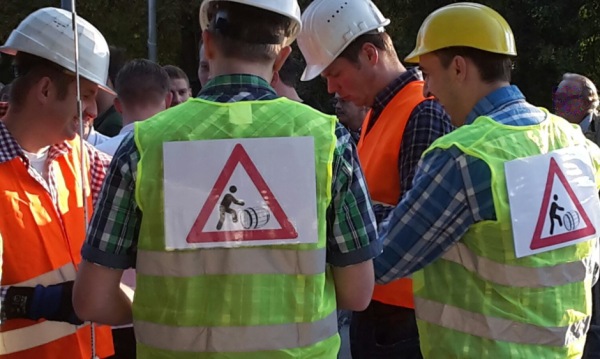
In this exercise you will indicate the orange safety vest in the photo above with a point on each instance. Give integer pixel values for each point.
(378, 151)
(42, 246)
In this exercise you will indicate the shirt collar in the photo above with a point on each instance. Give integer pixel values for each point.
(127, 128)
(586, 122)
(387, 94)
(496, 99)
(235, 83)
(10, 148)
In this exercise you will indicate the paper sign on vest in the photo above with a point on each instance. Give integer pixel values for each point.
(240, 192)
(553, 200)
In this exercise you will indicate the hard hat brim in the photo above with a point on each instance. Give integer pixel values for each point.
(11, 51)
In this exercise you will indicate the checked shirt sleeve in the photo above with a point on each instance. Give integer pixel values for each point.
(115, 225)
(451, 192)
(351, 226)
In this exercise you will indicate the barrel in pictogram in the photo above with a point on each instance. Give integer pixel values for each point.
(254, 217)
(571, 220)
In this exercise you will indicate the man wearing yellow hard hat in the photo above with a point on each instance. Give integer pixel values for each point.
(491, 279)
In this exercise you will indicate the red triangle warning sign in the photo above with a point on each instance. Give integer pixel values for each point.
(240, 156)
(570, 221)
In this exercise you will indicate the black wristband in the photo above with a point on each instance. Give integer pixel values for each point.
(17, 302)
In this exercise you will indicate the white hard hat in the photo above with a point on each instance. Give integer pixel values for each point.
(48, 33)
(329, 26)
(287, 8)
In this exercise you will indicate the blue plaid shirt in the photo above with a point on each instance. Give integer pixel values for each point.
(427, 122)
(458, 194)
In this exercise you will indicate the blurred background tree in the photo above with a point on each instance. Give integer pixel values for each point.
(553, 36)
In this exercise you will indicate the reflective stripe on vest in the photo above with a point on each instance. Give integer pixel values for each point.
(235, 339)
(34, 335)
(520, 276)
(63, 274)
(378, 151)
(451, 317)
(230, 262)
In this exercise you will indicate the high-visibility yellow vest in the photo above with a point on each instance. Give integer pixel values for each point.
(249, 302)
(480, 301)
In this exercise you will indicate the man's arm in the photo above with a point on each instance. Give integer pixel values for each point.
(451, 192)
(427, 123)
(110, 244)
(97, 295)
(351, 229)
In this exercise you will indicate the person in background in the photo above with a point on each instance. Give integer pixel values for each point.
(180, 85)
(350, 115)
(576, 100)
(109, 121)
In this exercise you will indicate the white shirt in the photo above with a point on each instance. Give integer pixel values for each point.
(110, 145)
(95, 138)
(38, 161)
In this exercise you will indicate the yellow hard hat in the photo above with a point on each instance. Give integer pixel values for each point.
(464, 24)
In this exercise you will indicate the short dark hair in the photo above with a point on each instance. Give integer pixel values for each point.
(175, 72)
(290, 72)
(29, 69)
(246, 32)
(118, 59)
(141, 81)
(492, 67)
(381, 40)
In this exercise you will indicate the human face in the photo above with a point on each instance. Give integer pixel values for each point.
(350, 81)
(439, 83)
(349, 114)
(569, 101)
(180, 91)
(203, 68)
(64, 114)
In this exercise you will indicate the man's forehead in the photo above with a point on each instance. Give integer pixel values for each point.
(569, 86)
(178, 84)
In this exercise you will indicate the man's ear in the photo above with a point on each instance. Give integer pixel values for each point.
(281, 57)
(43, 89)
(168, 99)
(275, 79)
(371, 53)
(209, 46)
(118, 105)
(459, 65)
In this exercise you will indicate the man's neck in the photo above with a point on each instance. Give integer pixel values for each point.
(231, 66)
(24, 127)
(389, 70)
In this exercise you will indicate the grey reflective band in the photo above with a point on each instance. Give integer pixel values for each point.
(235, 339)
(514, 276)
(221, 261)
(17, 340)
(479, 325)
(63, 274)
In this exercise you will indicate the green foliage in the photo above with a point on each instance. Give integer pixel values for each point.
(553, 36)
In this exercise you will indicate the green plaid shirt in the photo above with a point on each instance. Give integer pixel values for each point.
(351, 226)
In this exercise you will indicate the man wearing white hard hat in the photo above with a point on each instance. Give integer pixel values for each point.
(264, 282)
(492, 278)
(41, 196)
(345, 42)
